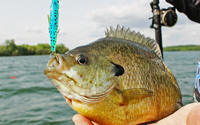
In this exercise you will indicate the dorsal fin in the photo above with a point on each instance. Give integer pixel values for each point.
(127, 34)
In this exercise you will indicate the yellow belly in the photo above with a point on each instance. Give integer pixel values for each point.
(139, 110)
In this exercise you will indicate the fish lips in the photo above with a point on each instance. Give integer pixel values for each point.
(54, 72)
(53, 77)
(56, 61)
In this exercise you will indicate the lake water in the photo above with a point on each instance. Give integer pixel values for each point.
(32, 99)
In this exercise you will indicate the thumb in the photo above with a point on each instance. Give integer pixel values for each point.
(194, 116)
(81, 120)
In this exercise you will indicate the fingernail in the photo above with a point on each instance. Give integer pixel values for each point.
(76, 120)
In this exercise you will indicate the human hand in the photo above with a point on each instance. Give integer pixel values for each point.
(187, 115)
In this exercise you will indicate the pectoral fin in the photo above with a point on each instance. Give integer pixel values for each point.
(130, 94)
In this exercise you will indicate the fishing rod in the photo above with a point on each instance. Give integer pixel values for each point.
(164, 17)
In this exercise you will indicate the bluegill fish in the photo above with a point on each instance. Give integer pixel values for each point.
(117, 80)
(53, 23)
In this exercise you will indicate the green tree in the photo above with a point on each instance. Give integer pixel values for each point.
(61, 49)
(10, 46)
(11, 49)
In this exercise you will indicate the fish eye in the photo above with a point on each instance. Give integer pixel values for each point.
(82, 60)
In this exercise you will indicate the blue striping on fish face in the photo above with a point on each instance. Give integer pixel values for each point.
(197, 80)
(53, 24)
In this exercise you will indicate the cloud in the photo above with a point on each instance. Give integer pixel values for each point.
(62, 33)
(17, 37)
(181, 35)
(135, 14)
(34, 29)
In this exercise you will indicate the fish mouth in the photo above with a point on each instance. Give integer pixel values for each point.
(55, 72)
(55, 61)
(71, 96)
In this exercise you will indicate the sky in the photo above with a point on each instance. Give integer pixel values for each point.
(84, 21)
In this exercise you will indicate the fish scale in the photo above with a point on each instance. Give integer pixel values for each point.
(129, 82)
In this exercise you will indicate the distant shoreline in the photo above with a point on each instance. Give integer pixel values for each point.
(11, 49)
(182, 48)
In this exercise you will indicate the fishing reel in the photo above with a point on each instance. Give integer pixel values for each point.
(161, 17)
(168, 17)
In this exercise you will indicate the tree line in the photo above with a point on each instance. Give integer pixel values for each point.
(182, 48)
(11, 49)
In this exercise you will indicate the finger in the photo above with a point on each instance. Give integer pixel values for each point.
(179, 117)
(81, 120)
(95, 123)
(194, 116)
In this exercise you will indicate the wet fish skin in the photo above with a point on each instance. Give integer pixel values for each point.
(145, 90)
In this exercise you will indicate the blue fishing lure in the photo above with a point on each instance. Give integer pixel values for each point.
(53, 23)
